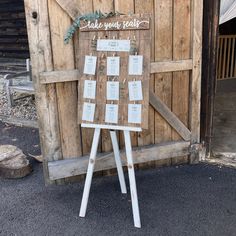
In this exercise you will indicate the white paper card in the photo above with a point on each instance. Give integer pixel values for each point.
(113, 45)
(135, 65)
(134, 113)
(90, 65)
(111, 113)
(90, 89)
(88, 111)
(113, 66)
(135, 91)
(113, 90)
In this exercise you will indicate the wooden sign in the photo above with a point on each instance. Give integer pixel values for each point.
(114, 67)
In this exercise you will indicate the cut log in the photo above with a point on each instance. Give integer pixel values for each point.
(13, 162)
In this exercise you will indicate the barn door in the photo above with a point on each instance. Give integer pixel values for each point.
(174, 112)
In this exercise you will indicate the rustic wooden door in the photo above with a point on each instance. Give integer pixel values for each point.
(174, 112)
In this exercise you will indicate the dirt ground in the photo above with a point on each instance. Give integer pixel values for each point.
(184, 200)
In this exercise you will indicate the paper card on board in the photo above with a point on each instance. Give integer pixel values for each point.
(113, 66)
(135, 113)
(111, 115)
(135, 90)
(88, 112)
(135, 65)
(113, 45)
(89, 89)
(113, 90)
(90, 65)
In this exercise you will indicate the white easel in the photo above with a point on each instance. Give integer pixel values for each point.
(130, 165)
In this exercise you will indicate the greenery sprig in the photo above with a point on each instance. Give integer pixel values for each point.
(87, 17)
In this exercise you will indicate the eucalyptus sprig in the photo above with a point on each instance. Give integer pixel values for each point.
(87, 17)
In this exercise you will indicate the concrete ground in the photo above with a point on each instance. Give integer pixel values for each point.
(224, 123)
(185, 200)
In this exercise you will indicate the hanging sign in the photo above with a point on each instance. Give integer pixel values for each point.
(114, 68)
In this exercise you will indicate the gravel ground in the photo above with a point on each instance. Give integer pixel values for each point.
(23, 109)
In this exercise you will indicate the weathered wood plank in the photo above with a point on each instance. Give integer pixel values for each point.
(63, 59)
(105, 6)
(181, 51)
(146, 137)
(170, 117)
(196, 73)
(71, 7)
(59, 76)
(126, 7)
(171, 66)
(40, 49)
(163, 52)
(78, 166)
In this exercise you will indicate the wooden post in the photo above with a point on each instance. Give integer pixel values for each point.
(46, 103)
(196, 75)
(118, 161)
(132, 181)
(209, 60)
(89, 175)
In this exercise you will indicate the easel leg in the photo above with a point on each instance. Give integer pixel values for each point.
(132, 181)
(89, 174)
(118, 161)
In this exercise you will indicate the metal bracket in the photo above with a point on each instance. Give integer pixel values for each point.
(197, 152)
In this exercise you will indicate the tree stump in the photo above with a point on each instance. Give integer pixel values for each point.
(13, 162)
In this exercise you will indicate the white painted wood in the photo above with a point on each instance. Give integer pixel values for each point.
(118, 161)
(89, 175)
(132, 181)
(111, 127)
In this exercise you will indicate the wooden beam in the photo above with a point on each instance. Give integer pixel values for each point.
(41, 60)
(169, 116)
(71, 7)
(78, 166)
(196, 73)
(59, 76)
(170, 66)
(72, 75)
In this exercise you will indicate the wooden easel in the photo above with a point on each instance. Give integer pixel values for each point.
(130, 165)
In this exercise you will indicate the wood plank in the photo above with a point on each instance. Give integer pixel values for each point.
(181, 50)
(105, 6)
(170, 117)
(233, 58)
(147, 136)
(63, 59)
(171, 66)
(41, 60)
(59, 76)
(85, 6)
(126, 7)
(196, 74)
(71, 7)
(106, 161)
(163, 52)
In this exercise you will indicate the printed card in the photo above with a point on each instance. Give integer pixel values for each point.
(90, 65)
(113, 45)
(135, 65)
(90, 89)
(135, 113)
(111, 115)
(135, 91)
(113, 90)
(113, 66)
(88, 111)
